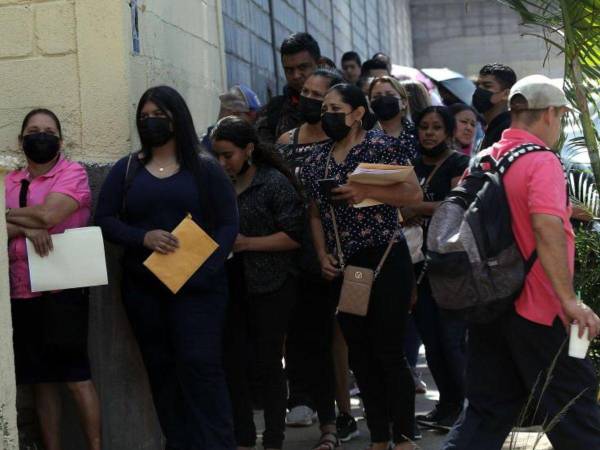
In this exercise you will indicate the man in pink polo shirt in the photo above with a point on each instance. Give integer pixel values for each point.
(506, 357)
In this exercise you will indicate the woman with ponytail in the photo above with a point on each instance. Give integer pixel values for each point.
(262, 276)
(345, 235)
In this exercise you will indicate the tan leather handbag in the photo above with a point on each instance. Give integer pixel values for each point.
(358, 281)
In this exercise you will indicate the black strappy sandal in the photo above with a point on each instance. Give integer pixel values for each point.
(328, 440)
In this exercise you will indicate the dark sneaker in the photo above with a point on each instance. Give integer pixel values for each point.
(431, 417)
(417, 433)
(346, 427)
(447, 422)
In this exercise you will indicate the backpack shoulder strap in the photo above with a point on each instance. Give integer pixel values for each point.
(509, 158)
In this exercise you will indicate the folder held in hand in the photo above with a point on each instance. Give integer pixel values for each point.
(76, 261)
(379, 175)
(195, 247)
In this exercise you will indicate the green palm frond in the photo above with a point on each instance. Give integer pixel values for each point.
(583, 193)
(571, 27)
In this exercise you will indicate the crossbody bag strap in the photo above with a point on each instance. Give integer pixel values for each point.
(384, 257)
(338, 242)
(433, 172)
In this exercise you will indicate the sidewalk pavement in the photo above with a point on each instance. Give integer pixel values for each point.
(305, 438)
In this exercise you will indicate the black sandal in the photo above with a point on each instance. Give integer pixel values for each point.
(328, 440)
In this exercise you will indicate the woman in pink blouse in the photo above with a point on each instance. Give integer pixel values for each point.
(47, 197)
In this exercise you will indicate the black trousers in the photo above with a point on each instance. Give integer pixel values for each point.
(308, 358)
(180, 338)
(505, 359)
(376, 346)
(445, 343)
(254, 334)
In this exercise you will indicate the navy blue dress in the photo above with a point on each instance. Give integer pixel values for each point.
(179, 335)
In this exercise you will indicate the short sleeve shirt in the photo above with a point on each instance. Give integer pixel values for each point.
(535, 184)
(441, 183)
(359, 228)
(66, 177)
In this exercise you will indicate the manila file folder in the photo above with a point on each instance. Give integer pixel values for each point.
(195, 247)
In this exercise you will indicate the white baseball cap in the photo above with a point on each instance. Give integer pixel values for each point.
(540, 92)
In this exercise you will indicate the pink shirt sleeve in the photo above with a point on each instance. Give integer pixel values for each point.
(546, 187)
(74, 183)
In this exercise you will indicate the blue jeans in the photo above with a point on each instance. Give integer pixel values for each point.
(505, 359)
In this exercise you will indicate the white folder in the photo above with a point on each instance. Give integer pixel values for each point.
(77, 261)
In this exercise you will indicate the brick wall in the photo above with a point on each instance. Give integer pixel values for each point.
(35, 39)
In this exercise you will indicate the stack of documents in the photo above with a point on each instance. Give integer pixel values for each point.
(76, 261)
(195, 247)
(379, 175)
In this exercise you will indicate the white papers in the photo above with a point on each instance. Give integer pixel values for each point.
(379, 175)
(77, 261)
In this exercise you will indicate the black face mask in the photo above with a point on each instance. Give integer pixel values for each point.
(334, 125)
(435, 151)
(482, 100)
(310, 109)
(155, 131)
(386, 107)
(41, 148)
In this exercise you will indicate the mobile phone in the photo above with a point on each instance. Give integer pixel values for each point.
(326, 185)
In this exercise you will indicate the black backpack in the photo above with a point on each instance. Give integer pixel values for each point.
(474, 265)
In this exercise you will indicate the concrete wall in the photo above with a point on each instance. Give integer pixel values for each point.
(77, 58)
(446, 34)
(254, 30)
(8, 391)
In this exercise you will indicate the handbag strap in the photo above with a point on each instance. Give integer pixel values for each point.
(435, 169)
(336, 233)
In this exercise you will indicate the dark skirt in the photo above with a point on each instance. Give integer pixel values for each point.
(50, 337)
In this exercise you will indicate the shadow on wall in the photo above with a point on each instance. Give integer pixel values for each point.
(128, 418)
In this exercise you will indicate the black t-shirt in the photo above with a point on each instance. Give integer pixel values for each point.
(441, 183)
(494, 131)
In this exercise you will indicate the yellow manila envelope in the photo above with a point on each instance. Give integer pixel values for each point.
(195, 247)
(380, 175)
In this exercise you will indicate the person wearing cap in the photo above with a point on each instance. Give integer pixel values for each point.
(239, 101)
(512, 358)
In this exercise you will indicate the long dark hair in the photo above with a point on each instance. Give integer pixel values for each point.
(352, 95)
(189, 152)
(240, 133)
(170, 102)
(45, 112)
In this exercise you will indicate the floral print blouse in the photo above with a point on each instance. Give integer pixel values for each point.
(359, 228)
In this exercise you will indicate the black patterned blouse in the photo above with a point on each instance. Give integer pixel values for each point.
(269, 205)
(408, 139)
(359, 227)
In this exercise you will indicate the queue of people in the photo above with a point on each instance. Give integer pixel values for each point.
(271, 186)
